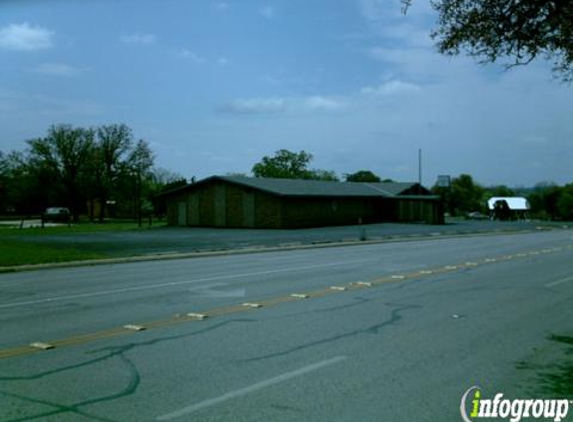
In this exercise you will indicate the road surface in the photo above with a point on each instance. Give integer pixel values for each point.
(389, 332)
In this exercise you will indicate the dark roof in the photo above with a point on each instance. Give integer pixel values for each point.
(299, 187)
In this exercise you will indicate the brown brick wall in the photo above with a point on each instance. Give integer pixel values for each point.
(173, 207)
(313, 212)
(234, 206)
(267, 211)
(227, 205)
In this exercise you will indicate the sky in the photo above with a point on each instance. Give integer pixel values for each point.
(214, 86)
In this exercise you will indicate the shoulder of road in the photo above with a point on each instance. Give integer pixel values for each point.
(363, 239)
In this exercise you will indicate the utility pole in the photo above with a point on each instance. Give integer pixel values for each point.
(419, 207)
(420, 166)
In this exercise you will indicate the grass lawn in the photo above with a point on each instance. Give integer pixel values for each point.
(22, 253)
(24, 247)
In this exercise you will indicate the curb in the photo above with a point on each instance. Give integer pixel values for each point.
(264, 249)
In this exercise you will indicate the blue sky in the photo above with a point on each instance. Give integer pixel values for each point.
(215, 85)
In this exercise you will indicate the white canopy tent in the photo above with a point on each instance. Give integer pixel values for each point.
(515, 203)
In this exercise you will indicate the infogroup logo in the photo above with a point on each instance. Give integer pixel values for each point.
(513, 409)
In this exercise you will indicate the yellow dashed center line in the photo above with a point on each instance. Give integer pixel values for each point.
(131, 329)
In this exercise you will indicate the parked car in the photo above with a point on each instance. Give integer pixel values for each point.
(476, 215)
(56, 215)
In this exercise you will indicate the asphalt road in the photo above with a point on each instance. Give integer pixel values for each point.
(440, 316)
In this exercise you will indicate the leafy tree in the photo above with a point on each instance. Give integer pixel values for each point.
(140, 163)
(164, 177)
(113, 143)
(286, 164)
(163, 180)
(324, 175)
(24, 189)
(500, 190)
(565, 203)
(514, 30)
(543, 200)
(65, 152)
(362, 176)
(3, 180)
(466, 195)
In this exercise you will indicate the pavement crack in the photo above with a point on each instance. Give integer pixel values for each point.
(129, 389)
(358, 301)
(395, 316)
(155, 341)
(57, 409)
(117, 352)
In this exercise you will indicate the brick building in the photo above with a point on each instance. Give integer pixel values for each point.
(234, 201)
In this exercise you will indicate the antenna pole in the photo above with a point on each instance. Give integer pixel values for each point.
(420, 166)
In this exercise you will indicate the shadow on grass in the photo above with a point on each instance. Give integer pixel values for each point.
(555, 379)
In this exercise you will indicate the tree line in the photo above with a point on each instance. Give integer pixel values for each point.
(103, 171)
(98, 172)
(548, 201)
(287, 164)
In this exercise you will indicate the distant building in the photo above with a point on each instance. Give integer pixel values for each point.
(237, 201)
(508, 207)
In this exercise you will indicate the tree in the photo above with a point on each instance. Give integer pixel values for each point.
(163, 180)
(500, 190)
(565, 203)
(324, 175)
(466, 195)
(514, 30)
(543, 200)
(64, 151)
(140, 162)
(3, 181)
(362, 176)
(286, 164)
(113, 143)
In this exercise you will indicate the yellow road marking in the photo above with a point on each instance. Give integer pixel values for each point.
(42, 346)
(132, 329)
(252, 305)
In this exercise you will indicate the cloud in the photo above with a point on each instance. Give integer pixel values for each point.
(222, 6)
(57, 69)
(280, 105)
(392, 87)
(256, 105)
(138, 39)
(223, 61)
(24, 37)
(268, 11)
(422, 63)
(189, 55)
(322, 103)
(392, 55)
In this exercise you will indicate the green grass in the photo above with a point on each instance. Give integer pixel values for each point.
(35, 245)
(14, 253)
